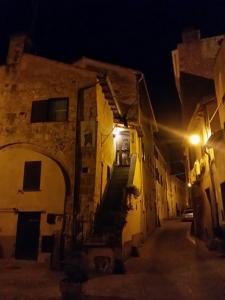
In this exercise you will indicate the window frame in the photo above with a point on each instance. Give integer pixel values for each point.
(47, 104)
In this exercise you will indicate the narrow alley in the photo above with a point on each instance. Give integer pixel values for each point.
(171, 266)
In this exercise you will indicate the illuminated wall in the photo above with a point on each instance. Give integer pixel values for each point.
(98, 158)
(136, 217)
(48, 200)
(200, 176)
(219, 168)
(105, 144)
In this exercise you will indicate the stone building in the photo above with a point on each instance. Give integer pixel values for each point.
(171, 192)
(194, 69)
(161, 176)
(216, 141)
(177, 195)
(76, 144)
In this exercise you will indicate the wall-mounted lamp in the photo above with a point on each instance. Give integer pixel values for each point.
(116, 132)
(194, 139)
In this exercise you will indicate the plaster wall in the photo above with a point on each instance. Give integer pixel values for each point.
(49, 199)
(106, 144)
(97, 116)
(135, 228)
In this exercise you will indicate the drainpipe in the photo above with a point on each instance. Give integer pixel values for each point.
(77, 168)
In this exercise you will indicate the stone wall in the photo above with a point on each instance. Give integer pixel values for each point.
(197, 57)
(36, 78)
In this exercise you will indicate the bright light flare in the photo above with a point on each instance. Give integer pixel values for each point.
(116, 132)
(189, 184)
(194, 139)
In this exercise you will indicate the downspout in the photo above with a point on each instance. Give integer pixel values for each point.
(77, 168)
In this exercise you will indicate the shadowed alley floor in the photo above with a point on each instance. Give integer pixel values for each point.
(171, 265)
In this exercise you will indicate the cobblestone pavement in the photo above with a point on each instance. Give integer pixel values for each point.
(171, 266)
(27, 280)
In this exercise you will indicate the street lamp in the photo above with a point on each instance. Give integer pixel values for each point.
(194, 139)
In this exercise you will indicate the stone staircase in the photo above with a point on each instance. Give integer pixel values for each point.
(103, 248)
(111, 210)
(115, 194)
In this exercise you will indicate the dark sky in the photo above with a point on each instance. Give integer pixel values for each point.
(136, 33)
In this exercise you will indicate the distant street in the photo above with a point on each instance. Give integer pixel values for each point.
(171, 266)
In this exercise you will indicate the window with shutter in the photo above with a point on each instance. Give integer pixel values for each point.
(51, 110)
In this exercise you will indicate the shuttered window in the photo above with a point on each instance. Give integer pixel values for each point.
(50, 110)
(32, 176)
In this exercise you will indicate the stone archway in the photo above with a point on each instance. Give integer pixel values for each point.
(40, 150)
(32, 149)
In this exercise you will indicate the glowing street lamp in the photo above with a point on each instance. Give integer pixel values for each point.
(194, 139)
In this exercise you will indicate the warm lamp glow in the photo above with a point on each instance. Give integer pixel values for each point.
(194, 139)
(116, 132)
(189, 184)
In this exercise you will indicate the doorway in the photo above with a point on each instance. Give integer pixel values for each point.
(123, 149)
(27, 237)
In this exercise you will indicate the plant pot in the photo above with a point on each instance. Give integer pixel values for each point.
(70, 290)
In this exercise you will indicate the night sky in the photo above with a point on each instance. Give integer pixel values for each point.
(139, 34)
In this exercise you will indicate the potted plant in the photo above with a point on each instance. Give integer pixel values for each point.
(133, 190)
(75, 275)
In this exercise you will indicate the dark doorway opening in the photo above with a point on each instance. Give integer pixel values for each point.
(222, 187)
(27, 238)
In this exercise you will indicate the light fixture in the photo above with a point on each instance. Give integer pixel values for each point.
(189, 184)
(194, 139)
(116, 132)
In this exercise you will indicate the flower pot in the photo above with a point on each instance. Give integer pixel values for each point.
(70, 290)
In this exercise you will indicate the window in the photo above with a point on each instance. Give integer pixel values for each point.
(32, 176)
(51, 110)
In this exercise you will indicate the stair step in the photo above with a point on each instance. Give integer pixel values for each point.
(114, 196)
